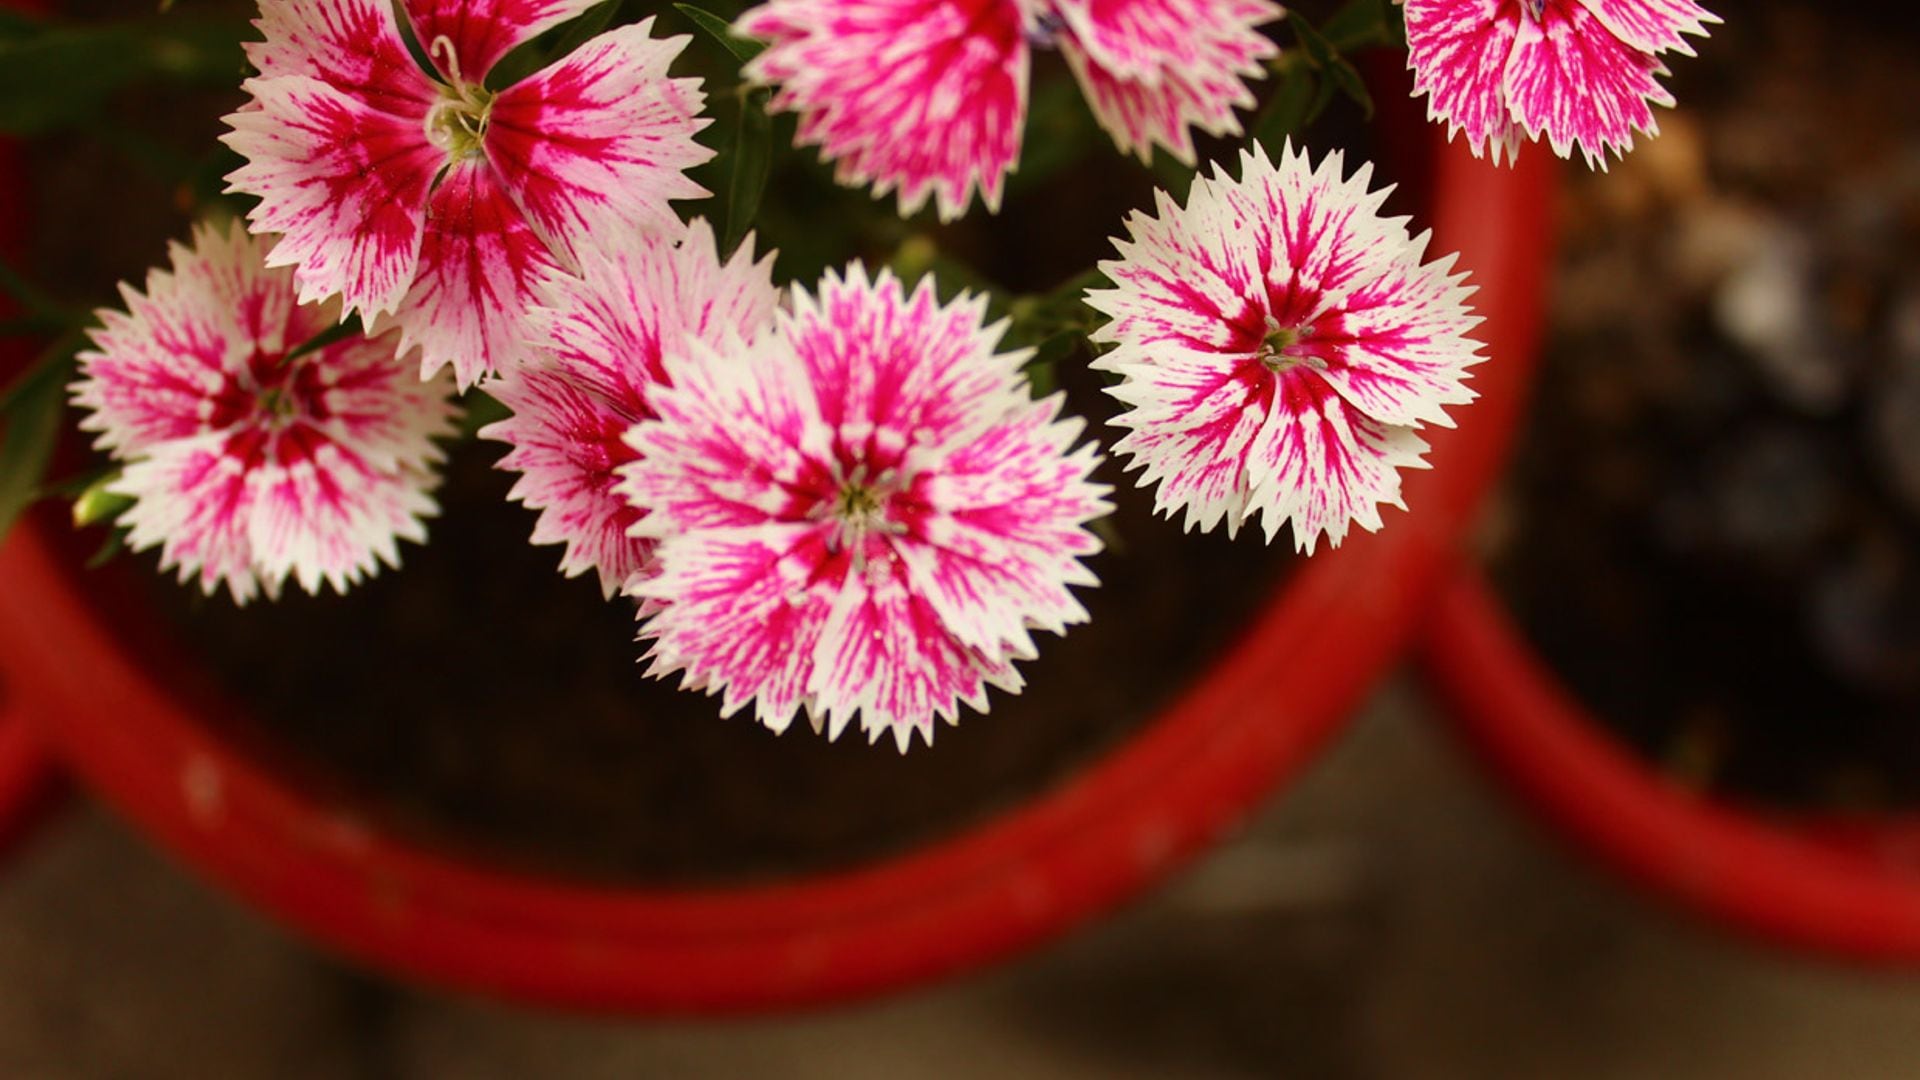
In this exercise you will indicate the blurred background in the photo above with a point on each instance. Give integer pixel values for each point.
(1391, 916)
(1712, 533)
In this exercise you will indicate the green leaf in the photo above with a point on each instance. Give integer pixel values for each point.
(115, 543)
(479, 409)
(1327, 58)
(31, 412)
(1043, 368)
(752, 162)
(62, 75)
(1360, 23)
(39, 304)
(1299, 99)
(743, 49)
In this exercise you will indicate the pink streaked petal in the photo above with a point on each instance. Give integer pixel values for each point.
(1287, 241)
(741, 613)
(1398, 351)
(1243, 318)
(604, 336)
(345, 184)
(567, 445)
(886, 654)
(1139, 40)
(1458, 50)
(1572, 80)
(380, 407)
(600, 141)
(1317, 234)
(480, 32)
(1320, 466)
(192, 500)
(479, 274)
(1653, 26)
(866, 445)
(312, 466)
(994, 535)
(893, 371)
(1186, 279)
(352, 45)
(639, 295)
(157, 369)
(926, 97)
(322, 513)
(740, 441)
(1141, 112)
(1192, 420)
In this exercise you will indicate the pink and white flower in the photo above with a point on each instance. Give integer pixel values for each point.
(860, 511)
(248, 464)
(429, 196)
(605, 337)
(929, 97)
(1581, 72)
(1279, 343)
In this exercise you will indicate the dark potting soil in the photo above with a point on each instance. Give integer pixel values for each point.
(1713, 533)
(474, 699)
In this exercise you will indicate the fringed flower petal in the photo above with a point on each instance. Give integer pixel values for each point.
(344, 184)
(923, 97)
(1583, 73)
(310, 465)
(439, 200)
(1154, 70)
(603, 336)
(600, 141)
(1458, 50)
(479, 272)
(353, 46)
(1278, 342)
(477, 33)
(1572, 81)
(1653, 26)
(872, 482)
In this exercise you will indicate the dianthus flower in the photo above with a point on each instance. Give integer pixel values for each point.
(605, 335)
(930, 96)
(860, 511)
(430, 195)
(1278, 344)
(1581, 72)
(249, 464)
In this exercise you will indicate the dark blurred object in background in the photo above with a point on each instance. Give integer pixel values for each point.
(1714, 528)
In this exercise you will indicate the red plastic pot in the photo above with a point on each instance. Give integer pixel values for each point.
(28, 780)
(1848, 888)
(1070, 853)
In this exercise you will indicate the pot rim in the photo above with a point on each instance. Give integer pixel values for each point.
(1846, 888)
(1026, 875)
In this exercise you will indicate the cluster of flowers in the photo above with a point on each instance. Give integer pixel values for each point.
(841, 500)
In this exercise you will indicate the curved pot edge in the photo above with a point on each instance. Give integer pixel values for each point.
(1731, 867)
(1026, 876)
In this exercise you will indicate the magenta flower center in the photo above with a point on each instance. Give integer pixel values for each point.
(271, 394)
(1535, 8)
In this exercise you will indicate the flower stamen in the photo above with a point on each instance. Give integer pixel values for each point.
(1281, 351)
(457, 123)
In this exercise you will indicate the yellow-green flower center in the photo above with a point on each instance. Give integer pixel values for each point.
(457, 122)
